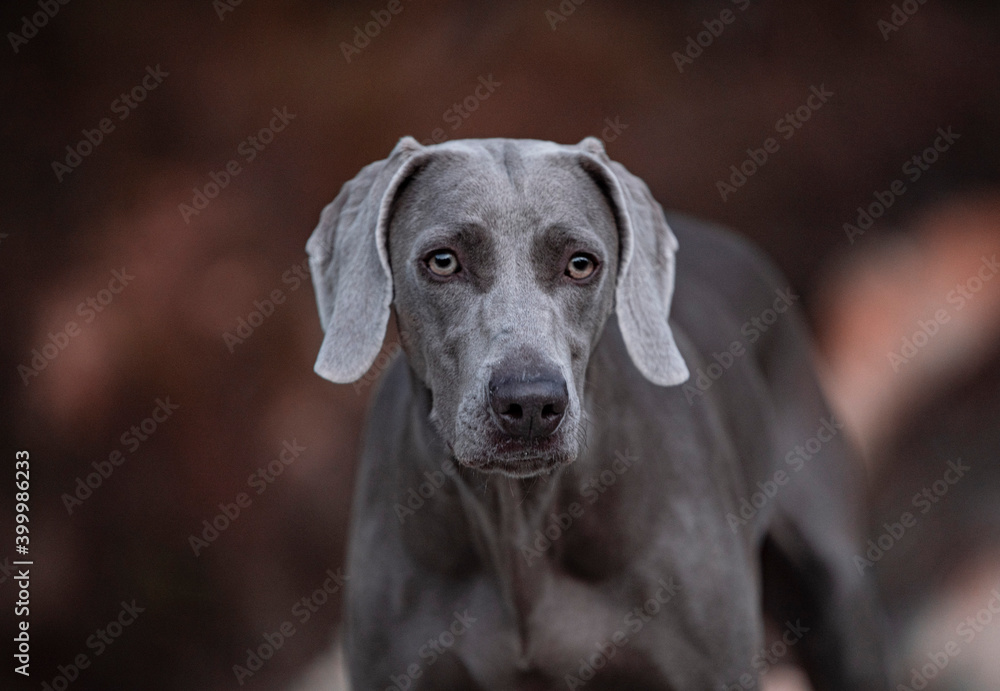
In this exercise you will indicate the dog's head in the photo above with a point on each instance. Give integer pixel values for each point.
(503, 259)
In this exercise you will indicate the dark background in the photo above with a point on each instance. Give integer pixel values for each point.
(163, 336)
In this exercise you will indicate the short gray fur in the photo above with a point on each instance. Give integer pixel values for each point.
(681, 458)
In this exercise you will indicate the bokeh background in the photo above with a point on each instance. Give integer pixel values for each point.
(562, 72)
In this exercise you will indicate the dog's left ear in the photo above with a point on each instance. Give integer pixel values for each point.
(645, 269)
(350, 265)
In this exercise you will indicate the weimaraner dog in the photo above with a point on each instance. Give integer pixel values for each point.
(604, 460)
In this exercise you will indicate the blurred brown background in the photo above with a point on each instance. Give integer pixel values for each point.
(561, 75)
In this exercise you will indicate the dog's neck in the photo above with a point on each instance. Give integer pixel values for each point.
(505, 518)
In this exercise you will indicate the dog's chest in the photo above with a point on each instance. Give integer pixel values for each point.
(562, 600)
(562, 631)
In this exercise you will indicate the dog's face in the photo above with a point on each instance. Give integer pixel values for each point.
(503, 269)
(503, 259)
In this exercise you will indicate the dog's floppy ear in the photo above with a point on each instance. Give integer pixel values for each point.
(350, 265)
(645, 269)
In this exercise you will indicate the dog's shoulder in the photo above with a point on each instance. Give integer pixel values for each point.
(392, 389)
(718, 256)
(728, 290)
(389, 405)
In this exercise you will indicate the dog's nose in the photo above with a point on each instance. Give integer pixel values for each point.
(528, 407)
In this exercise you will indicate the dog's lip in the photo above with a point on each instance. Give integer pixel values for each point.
(520, 467)
(505, 445)
(522, 457)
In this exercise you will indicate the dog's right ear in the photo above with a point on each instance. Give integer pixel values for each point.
(350, 265)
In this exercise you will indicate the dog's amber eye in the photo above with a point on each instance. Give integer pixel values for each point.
(580, 266)
(443, 263)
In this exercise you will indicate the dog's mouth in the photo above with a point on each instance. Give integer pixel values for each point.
(519, 468)
(519, 457)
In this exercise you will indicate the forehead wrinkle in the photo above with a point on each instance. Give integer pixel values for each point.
(514, 165)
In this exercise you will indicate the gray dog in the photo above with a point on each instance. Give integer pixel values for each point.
(560, 485)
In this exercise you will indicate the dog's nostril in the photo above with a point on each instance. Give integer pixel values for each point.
(513, 411)
(549, 410)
